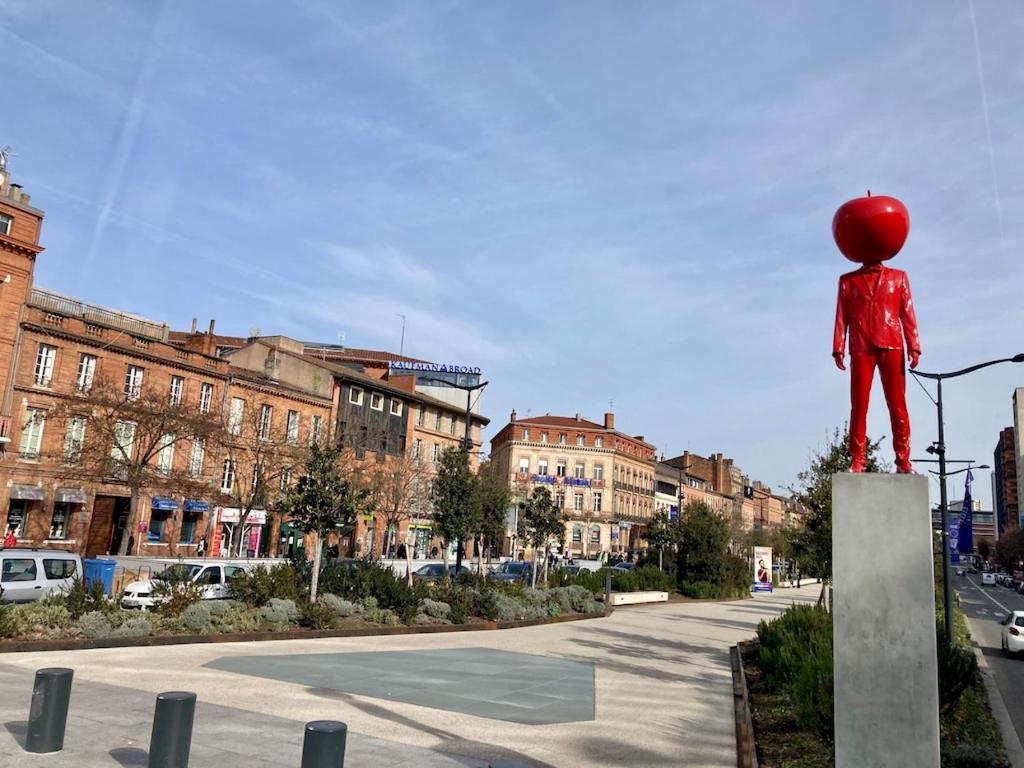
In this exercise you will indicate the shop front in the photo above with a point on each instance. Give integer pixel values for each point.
(68, 510)
(24, 513)
(234, 537)
(190, 530)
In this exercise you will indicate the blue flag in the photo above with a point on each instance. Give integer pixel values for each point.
(965, 540)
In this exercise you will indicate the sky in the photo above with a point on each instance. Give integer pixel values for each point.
(601, 204)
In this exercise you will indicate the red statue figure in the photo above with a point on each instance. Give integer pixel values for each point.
(876, 307)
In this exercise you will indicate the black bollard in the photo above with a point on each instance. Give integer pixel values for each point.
(323, 746)
(48, 712)
(171, 739)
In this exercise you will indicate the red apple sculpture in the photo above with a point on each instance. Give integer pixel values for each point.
(870, 230)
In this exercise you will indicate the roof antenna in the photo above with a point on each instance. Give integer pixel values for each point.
(401, 346)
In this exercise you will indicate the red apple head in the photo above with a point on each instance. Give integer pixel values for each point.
(869, 229)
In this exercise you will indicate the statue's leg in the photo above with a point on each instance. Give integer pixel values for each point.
(892, 368)
(862, 370)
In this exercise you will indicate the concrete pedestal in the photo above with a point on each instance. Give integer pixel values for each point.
(886, 686)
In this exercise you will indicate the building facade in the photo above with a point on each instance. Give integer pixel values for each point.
(1004, 482)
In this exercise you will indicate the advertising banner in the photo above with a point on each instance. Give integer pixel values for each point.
(762, 569)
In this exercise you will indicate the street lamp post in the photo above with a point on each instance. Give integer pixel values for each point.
(939, 449)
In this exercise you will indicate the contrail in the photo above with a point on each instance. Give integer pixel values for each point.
(988, 127)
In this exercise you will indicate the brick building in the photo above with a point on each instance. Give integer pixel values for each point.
(603, 478)
(1004, 482)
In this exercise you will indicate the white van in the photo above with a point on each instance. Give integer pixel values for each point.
(32, 574)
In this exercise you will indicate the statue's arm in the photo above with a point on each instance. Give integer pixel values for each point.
(842, 322)
(909, 321)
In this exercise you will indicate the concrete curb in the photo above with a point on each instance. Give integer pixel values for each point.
(29, 646)
(1011, 742)
(746, 749)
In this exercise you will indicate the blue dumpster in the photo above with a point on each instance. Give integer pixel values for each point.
(101, 571)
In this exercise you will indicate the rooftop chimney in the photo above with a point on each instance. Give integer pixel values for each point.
(212, 322)
(513, 416)
(195, 324)
(609, 421)
(578, 417)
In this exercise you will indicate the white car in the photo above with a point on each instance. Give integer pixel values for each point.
(211, 577)
(988, 579)
(1013, 633)
(27, 575)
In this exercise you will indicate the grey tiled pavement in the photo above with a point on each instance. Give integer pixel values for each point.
(110, 726)
(485, 682)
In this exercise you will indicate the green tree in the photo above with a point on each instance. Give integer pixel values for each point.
(540, 521)
(984, 549)
(493, 498)
(811, 543)
(323, 500)
(455, 503)
(662, 535)
(1010, 549)
(703, 545)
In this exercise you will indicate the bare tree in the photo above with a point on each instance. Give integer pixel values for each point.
(400, 491)
(130, 437)
(259, 456)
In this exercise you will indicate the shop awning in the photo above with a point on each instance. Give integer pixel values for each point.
(28, 492)
(164, 504)
(69, 496)
(196, 505)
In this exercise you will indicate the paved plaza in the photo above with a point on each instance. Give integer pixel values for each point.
(646, 686)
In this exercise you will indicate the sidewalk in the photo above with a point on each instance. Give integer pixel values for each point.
(661, 693)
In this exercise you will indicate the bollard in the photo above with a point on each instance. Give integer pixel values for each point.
(323, 746)
(607, 591)
(171, 739)
(48, 712)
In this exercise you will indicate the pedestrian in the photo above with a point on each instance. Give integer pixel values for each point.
(401, 552)
(798, 578)
(10, 540)
(201, 549)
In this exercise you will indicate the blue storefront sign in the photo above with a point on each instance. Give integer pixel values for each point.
(673, 512)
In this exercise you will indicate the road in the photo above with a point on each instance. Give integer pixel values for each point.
(985, 607)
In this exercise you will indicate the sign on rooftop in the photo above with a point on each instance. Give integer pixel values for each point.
(437, 374)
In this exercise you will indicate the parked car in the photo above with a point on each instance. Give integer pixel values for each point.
(27, 575)
(988, 579)
(1013, 633)
(211, 577)
(432, 572)
(624, 566)
(511, 571)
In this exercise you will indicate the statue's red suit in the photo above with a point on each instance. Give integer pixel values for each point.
(876, 309)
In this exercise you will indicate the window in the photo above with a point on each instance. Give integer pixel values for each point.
(560, 469)
(543, 437)
(577, 502)
(434, 450)
(355, 396)
(227, 478)
(133, 382)
(59, 569)
(5, 224)
(315, 428)
(561, 438)
(165, 459)
(19, 569)
(286, 479)
(542, 466)
(157, 523)
(177, 388)
(524, 466)
(257, 476)
(376, 401)
(44, 364)
(577, 534)
(580, 440)
(595, 535)
(578, 471)
(32, 433)
(59, 524)
(597, 501)
(266, 414)
(292, 428)
(235, 415)
(421, 413)
(195, 461)
(16, 514)
(188, 527)
(74, 440)
(437, 420)
(451, 425)
(86, 372)
(205, 397)
(599, 442)
(417, 450)
(396, 407)
(560, 500)
(599, 471)
(526, 434)
(124, 436)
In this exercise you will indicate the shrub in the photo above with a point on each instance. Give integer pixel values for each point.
(652, 578)
(485, 603)
(459, 599)
(198, 617)
(342, 608)
(137, 626)
(958, 671)
(812, 693)
(316, 615)
(259, 586)
(280, 611)
(369, 578)
(95, 624)
(590, 605)
(508, 609)
(560, 598)
(8, 621)
(785, 640)
(173, 597)
(80, 601)
(368, 605)
(971, 756)
(437, 609)
(41, 616)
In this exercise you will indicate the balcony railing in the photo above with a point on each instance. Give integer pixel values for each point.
(65, 305)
